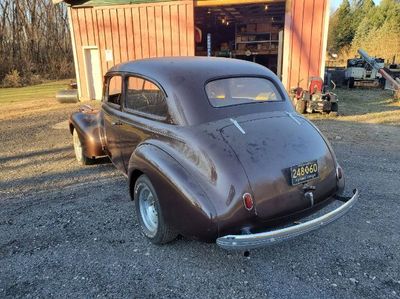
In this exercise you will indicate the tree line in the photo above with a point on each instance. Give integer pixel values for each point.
(35, 43)
(362, 24)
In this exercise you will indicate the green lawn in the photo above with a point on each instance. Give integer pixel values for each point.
(36, 92)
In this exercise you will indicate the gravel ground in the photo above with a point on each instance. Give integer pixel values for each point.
(71, 231)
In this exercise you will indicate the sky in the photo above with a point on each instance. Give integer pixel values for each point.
(336, 3)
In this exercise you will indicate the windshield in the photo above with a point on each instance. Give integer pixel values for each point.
(241, 90)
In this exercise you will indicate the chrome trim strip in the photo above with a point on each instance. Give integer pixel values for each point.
(294, 119)
(244, 242)
(237, 126)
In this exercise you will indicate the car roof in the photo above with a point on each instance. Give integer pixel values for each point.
(184, 78)
(203, 67)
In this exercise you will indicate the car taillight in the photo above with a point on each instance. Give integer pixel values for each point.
(339, 172)
(248, 201)
(340, 180)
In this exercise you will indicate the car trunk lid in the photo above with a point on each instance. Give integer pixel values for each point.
(267, 146)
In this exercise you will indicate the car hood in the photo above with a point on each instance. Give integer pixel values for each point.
(267, 146)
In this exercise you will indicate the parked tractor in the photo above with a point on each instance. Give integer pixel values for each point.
(315, 99)
(385, 73)
(360, 73)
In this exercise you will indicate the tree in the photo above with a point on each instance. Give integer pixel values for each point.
(341, 33)
(34, 39)
(379, 32)
(361, 24)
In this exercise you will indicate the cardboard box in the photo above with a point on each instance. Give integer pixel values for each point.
(251, 27)
(224, 46)
(274, 36)
(241, 46)
(263, 27)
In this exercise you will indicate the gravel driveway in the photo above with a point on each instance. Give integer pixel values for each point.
(71, 231)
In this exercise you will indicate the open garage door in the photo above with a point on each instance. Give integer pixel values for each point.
(248, 30)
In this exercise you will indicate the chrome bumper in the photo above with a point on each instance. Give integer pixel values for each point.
(249, 241)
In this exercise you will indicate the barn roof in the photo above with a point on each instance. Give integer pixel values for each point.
(116, 2)
(103, 2)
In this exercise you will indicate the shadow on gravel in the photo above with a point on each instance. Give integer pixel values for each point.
(35, 154)
(84, 174)
(32, 162)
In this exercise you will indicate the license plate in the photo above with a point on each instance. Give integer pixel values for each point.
(304, 172)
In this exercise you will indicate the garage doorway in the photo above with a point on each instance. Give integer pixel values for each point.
(93, 73)
(252, 32)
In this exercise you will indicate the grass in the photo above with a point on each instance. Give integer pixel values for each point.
(37, 99)
(30, 93)
(372, 106)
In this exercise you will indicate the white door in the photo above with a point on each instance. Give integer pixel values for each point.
(93, 73)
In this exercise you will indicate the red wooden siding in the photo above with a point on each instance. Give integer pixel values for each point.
(132, 32)
(305, 33)
(160, 29)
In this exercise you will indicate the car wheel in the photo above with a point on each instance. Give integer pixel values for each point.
(300, 106)
(382, 83)
(350, 83)
(334, 108)
(78, 148)
(148, 211)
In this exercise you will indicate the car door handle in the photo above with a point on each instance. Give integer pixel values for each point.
(116, 123)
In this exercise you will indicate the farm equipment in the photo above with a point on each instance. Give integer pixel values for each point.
(360, 73)
(395, 83)
(315, 99)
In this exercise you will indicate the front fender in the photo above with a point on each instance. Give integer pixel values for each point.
(185, 205)
(88, 125)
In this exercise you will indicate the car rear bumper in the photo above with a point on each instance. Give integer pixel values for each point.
(250, 241)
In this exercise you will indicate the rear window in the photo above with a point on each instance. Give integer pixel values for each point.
(241, 90)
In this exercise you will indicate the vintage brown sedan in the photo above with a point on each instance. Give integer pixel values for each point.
(213, 150)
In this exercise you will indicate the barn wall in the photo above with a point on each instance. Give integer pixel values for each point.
(137, 31)
(306, 25)
(131, 32)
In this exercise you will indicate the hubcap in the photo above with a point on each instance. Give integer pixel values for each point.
(148, 211)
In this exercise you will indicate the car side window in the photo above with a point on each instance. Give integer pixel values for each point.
(114, 90)
(145, 97)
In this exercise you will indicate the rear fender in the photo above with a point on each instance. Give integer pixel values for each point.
(88, 125)
(185, 205)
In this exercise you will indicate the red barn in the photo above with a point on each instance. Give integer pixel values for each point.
(287, 36)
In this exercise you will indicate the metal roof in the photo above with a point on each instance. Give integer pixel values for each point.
(103, 2)
(198, 2)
